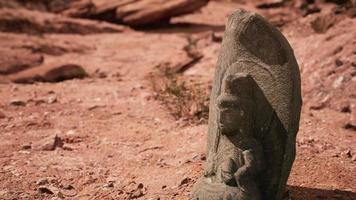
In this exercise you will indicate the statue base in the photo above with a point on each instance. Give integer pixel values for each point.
(204, 189)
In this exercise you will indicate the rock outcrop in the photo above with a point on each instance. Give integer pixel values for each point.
(35, 22)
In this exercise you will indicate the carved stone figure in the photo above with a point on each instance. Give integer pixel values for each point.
(254, 114)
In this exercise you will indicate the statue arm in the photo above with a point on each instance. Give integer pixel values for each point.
(253, 164)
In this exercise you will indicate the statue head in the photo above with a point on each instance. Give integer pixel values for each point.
(236, 105)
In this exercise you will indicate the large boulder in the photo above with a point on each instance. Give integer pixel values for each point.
(49, 72)
(134, 12)
(153, 11)
(35, 22)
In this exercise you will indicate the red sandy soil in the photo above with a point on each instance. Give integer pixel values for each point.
(122, 143)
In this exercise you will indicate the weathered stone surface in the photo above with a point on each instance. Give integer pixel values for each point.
(134, 12)
(34, 22)
(49, 73)
(254, 114)
(79, 8)
(55, 6)
(152, 11)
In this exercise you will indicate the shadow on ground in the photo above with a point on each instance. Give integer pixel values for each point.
(304, 193)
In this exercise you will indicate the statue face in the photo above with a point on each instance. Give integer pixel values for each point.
(231, 117)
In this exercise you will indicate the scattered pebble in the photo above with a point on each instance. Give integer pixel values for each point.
(2, 115)
(42, 181)
(93, 107)
(136, 191)
(110, 184)
(338, 82)
(338, 62)
(71, 132)
(100, 74)
(52, 99)
(185, 181)
(68, 187)
(17, 102)
(217, 36)
(67, 148)
(50, 190)
(50, 143)
(44, 190)
(199, 157)
(350, 126)
(347, 154)
(26, 146)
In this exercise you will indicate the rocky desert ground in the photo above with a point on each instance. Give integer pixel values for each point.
(108, 99)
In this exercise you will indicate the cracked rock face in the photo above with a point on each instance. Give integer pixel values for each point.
(254, 114)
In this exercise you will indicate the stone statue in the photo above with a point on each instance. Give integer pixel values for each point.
(254, 114)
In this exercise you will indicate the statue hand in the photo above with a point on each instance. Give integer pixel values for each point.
(241, 175)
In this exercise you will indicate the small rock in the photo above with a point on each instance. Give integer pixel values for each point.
(155, 198)
(68, 187)
(71, 132)
(52, 99)
(110, 184)
(50, 143)
(26, 146)
(17, 102)
(322, 23)
(137, 192)
(67, 148)
(199, 157)
(335, 155)
(338, 82)
(338, 62)
(346, 109)
(101, 74)
(24, 196)
(44, 190)
(24, 152)
(140, 186)
(270, 4)
(350, 126)
(42, 181)
(347, 154)
(93, 107)
(217, 36)
(2, 115)
(50, 190)
(185, 181)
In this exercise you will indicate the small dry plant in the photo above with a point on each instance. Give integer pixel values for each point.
(185, 99)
